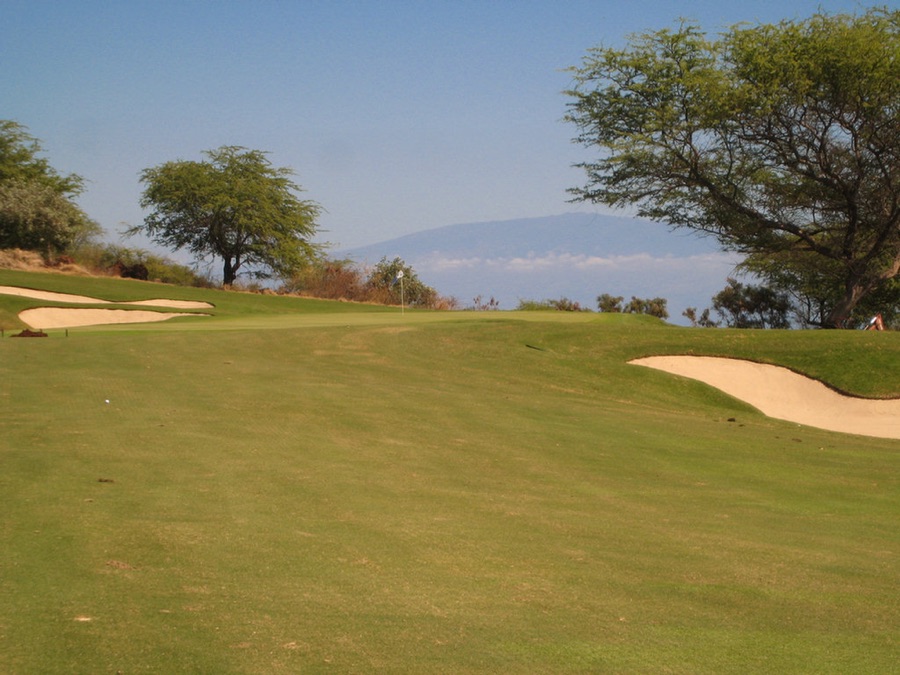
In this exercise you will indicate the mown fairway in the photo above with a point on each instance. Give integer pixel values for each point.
(301, 486)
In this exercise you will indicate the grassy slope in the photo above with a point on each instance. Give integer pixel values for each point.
(447, 493)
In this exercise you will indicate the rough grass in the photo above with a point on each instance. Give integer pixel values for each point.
(458, 492)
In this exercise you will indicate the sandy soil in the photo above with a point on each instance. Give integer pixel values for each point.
(783, 394)
(72, 317)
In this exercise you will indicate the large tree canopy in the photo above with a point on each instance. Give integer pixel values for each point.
(783, 141)
(36, 207)
(235, 206)
(35, 217)
(20, 161)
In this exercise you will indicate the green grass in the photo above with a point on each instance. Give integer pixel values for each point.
(302, 486)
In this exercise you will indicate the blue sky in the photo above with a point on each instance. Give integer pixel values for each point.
(396, 116)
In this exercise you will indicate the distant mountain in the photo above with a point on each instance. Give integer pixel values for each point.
(580, 233)
(576, 255)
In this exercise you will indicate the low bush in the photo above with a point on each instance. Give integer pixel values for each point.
(387, 283)
(112, 260)
(560, 305)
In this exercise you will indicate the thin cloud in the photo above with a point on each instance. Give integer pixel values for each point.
(572, 261)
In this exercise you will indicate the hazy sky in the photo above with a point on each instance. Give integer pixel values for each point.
(396, 116)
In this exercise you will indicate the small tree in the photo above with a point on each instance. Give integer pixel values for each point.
(235, 206)
(703, 321)
(385, 279)
(613, 304)
(652, 307)
(744, 306)
(479, 304)
(609, 303)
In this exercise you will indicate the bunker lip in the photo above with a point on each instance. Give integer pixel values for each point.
(783, 394)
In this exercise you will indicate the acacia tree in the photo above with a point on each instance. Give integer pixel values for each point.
(20, 160)
(779, 140)
(235, 206)
(36, 207)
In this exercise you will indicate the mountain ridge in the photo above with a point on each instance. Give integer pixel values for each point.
(587, 233)
(573, 255)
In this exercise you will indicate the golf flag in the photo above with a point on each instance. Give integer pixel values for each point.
(397, 278)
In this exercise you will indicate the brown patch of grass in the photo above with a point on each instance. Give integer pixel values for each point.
(119, 565)
(30, 261)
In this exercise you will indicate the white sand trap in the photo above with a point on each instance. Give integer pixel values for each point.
(783, 394)
(67, 297)
(65, 317)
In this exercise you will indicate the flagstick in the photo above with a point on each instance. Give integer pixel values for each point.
(401, 295)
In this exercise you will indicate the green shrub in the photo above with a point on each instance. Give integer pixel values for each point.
(560, 305)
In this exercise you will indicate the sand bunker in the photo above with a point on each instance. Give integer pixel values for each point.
(65, 317)
(72, 317)
(785, 395)
(67, 297)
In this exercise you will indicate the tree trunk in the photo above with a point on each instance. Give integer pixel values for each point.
(840, 313)
(229, 272)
